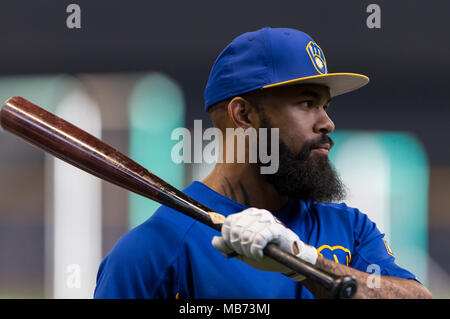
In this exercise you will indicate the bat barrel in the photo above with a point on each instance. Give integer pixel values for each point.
(75, 146)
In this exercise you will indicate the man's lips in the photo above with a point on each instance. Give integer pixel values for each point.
(322, 148)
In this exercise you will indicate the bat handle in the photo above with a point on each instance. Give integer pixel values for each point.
(341, 287)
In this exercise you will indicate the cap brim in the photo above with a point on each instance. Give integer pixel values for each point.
(339, 83)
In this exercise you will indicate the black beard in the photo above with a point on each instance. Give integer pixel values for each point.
(303, 177)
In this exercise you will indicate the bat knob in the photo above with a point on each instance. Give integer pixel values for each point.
(346, 287)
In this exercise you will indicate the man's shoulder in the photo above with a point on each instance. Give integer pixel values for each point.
(341, 212)
(164, 230)
(338, 211)
(334, 207)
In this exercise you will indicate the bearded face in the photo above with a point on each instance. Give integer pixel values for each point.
(303, 176)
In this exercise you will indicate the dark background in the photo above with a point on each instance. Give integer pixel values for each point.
(407, 61)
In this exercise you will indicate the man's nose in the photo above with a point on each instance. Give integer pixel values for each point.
(323, 124)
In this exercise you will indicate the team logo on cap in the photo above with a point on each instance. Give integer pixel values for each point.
(317, 57)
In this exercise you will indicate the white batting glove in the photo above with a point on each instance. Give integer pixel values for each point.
(248, 232)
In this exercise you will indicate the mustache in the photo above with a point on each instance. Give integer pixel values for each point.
(324, 139)
(312, 144)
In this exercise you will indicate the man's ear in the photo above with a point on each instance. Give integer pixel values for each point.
(242, 113)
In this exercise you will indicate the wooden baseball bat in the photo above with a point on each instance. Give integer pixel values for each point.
(77, 147)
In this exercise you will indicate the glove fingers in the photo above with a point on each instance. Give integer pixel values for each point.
(248, 235)
(226, 227)
(245, 227)
(239, 229)
(260, 240)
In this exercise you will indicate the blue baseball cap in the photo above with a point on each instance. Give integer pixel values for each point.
(272, 57)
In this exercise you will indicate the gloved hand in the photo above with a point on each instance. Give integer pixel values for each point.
(248, 232)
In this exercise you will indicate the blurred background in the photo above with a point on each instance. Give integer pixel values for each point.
(134, 71)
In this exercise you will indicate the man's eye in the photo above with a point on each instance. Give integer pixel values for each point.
(305, 103)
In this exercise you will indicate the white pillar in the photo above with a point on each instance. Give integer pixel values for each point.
(77, 210)
(363, 164)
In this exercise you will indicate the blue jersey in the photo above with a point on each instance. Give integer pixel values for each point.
(170, 255)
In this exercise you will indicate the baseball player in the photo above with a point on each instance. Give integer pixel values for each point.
(271, 78)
